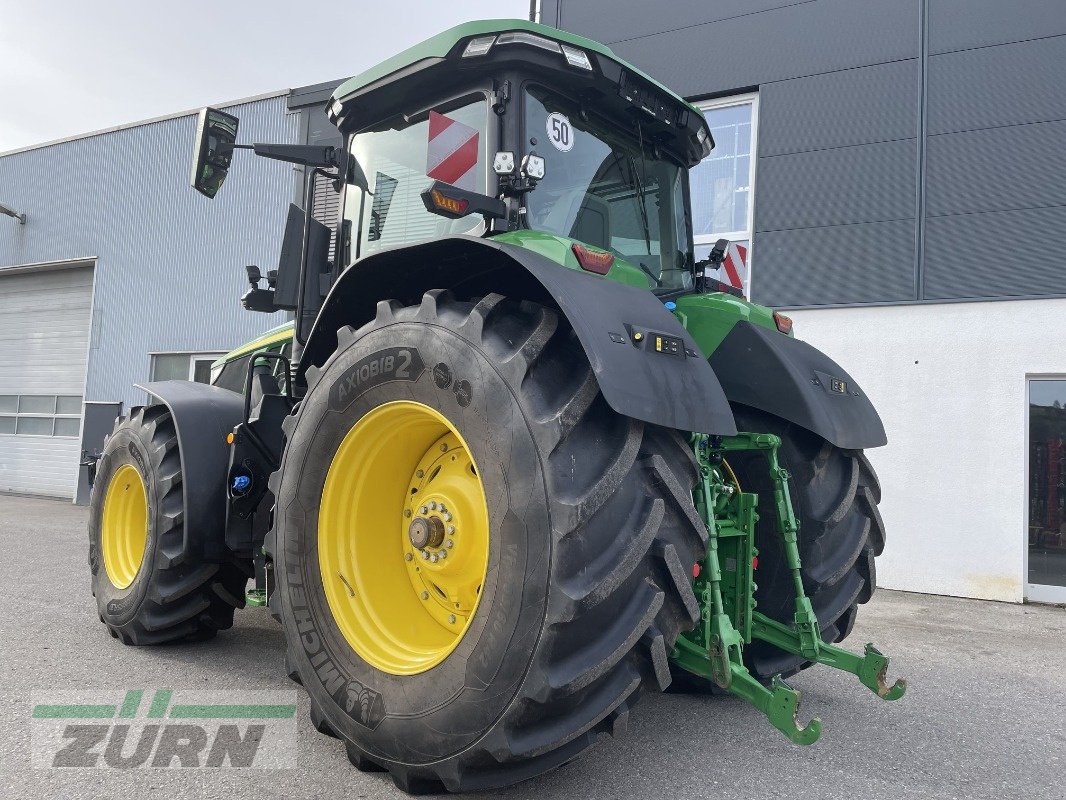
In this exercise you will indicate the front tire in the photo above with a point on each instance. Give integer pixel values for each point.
(150, 588)
(591, 537)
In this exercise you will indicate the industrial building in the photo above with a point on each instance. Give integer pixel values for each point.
(897, 167)
(892, 170)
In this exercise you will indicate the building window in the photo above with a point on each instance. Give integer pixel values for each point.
(40, 414)
(722, 185)
(1047, 491)
(183, 366)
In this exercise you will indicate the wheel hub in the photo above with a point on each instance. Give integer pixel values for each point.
(426, 532)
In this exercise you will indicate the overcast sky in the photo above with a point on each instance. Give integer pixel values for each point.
(72, 66)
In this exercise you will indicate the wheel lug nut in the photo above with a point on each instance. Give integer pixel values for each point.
(424, 595)
(433, 558)
(444, 448)
(433, 505)
(407, 513)
(451, 618)
(447, 517)
(425, 555)
(408, 557)
(423, 510)
(420, 474)
(451, 529)
(442, 554)
(450, 543)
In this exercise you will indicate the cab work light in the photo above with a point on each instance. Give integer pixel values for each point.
(597, 261)
(483, 44)
(521, 37)
(576, 58)
(479, 46)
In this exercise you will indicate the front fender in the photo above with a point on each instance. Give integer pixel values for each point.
(790, 379)
(671, 385)
(203, 415)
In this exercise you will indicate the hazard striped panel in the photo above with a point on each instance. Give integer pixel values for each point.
(452, 153)
(734, 269)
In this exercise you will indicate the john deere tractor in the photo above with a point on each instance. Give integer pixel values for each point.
(519, 457)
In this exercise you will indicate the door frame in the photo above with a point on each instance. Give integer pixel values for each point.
(1036, 592)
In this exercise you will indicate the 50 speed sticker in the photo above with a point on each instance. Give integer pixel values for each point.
(560, 132)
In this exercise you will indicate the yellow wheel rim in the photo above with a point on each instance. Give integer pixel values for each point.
(124, 526)
(403, 537)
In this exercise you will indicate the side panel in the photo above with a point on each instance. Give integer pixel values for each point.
(674, 390)
(203, 415)
(790, 379)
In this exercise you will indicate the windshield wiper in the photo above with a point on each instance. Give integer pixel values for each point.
(641, 200)
(649, 273)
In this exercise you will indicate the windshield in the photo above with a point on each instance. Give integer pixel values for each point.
(602, 188)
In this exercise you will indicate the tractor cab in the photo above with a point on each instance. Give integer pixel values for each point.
(577, 144)
(504, 129)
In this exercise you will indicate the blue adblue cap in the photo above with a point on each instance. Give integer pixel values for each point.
(670, 305)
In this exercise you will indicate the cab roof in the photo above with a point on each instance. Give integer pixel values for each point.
(439, 46)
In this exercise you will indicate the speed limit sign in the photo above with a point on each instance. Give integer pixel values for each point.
(559, 131)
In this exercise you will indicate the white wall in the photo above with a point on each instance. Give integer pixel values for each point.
(949, 383)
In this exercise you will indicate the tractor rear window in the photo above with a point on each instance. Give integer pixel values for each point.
(604, 185)
(449, 143)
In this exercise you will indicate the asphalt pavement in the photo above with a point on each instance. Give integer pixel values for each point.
(984, 715)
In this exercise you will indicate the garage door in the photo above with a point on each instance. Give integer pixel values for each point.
(44, 341)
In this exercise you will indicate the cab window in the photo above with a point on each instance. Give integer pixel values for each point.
(401, 158)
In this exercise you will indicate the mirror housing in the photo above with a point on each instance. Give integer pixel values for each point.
(216, 135)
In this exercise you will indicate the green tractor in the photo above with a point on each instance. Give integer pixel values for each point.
(518, 458)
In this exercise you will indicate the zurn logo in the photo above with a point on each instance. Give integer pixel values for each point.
(164, 729)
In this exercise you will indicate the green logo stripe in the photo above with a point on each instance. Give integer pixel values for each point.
(160, 701)
(131, 704)
(77, 711)
(222, 711)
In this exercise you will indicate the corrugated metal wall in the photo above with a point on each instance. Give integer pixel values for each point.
(908, 149)
(169, 262)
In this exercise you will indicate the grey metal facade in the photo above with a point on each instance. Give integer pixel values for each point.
(908, 150)
(168, 261)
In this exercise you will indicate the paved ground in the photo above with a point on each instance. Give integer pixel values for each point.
(985, 715)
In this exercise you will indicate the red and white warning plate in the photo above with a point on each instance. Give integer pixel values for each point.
(452, 153)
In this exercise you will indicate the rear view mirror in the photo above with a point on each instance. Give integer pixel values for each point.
(216, 133)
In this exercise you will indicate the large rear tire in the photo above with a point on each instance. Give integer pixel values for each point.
(834, 496)
(591, 537)
(149, 586)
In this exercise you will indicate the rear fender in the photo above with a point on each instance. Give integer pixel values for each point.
(771, 372)
(202, 415)
(616, 324)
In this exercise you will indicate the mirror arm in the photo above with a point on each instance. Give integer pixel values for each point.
(306, 154)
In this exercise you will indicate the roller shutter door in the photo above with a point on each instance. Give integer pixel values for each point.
(44, 339)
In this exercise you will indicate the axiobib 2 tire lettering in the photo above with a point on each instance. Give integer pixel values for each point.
(391, 364)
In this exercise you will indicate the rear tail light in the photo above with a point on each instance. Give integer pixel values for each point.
(596, 261)
(784, 324)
